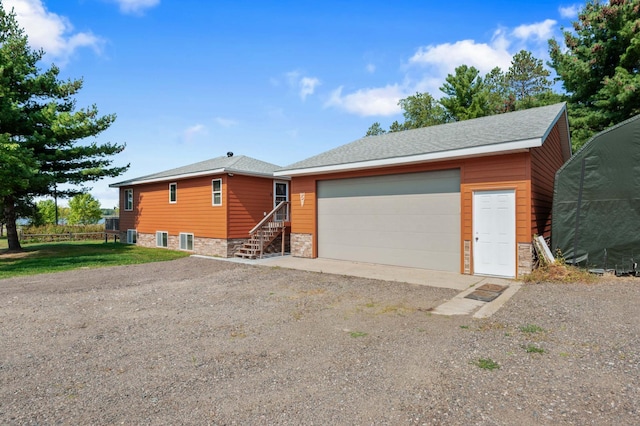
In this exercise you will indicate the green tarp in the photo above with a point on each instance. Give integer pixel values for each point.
(596, 201)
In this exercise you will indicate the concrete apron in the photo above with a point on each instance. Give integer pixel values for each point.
(458, 305)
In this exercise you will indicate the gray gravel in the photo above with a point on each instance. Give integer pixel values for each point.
(199, 341)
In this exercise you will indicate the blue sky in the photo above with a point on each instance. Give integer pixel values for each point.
(279, 81)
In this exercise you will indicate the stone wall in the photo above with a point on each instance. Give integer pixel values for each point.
(218, 247)
(525, 259)
(302, 245)
(467, 257)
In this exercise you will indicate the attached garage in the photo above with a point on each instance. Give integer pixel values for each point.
(410, 219)
(464, 197)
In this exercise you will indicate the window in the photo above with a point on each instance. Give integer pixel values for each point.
(216, 194)
(173, 193)
(186, 242)
(281, 191)
(132, 236)
(128, 199)
(162, 239)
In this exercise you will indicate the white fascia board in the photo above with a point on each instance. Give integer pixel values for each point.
(191, 175)
(503, 148)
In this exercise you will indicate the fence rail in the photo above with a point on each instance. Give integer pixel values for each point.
(67, 236)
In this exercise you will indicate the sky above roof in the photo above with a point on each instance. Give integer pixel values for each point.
(279, 81)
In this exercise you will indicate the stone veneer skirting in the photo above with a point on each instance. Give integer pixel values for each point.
(525, 259)
(302, 245)
(467, 257)
(218, 247)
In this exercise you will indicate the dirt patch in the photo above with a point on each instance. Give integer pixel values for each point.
(199, 341)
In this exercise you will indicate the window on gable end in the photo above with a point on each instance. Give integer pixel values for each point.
(173, 193)
(216, 192)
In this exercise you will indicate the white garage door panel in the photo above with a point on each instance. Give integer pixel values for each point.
(413, 221)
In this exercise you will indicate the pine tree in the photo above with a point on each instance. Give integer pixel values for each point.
(42, 135)
(600, 69)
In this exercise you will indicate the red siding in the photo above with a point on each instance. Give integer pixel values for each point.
(545, 162)
(303, 217)
(244, 200)
(248, 198)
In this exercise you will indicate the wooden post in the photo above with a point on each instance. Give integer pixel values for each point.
(261, 231)
(284, 229)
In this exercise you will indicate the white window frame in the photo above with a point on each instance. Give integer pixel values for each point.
(214, 192)
(162, 239)
(184, 241)
(283, 215)
(175, 193)
(128, 199)
(132, 236)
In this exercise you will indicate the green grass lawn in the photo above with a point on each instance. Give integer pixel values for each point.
(42, 258)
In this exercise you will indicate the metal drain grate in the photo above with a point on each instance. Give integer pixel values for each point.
(486, 292)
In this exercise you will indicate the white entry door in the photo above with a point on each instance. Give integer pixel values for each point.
(494, 233)
(281, 194)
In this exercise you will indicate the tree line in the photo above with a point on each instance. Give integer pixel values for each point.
(598, 69)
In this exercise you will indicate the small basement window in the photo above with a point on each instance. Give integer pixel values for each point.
(186, 241)
(162, 239)
(132, 236)
(173, 193)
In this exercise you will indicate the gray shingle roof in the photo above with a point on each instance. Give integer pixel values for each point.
(240, 164)
(491, 131)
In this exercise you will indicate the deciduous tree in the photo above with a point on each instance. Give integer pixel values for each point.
(84, 210)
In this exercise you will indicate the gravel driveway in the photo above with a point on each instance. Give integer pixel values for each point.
(199, 341)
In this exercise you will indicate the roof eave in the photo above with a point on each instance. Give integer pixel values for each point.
(480, 151)
(193, 175)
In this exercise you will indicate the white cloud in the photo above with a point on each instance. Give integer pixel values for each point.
(540, 31)
(308, 86)
(136, 6)
(49, 31)
(225, 122)
(191, 132)
(447, 56)
(366, 102)
(569, 12)
(304, 85)
(427, 69)
(371, 68)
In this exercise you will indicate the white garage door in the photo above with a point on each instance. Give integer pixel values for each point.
(408, 219)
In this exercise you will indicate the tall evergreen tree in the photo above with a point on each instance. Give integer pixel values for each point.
(467, 96)
(41, 133)
(500, 98)
(529, 84)
(375, 129)
(600, 69)
(527, 79)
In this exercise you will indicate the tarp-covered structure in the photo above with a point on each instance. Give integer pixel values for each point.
(596, 201)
